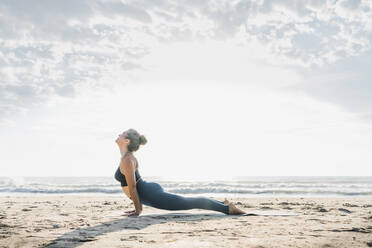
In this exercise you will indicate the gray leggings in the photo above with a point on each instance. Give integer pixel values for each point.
(152, 194)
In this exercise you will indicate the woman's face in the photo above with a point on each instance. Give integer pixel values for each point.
(122, 138)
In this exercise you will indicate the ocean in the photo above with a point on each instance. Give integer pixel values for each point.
(237, 187)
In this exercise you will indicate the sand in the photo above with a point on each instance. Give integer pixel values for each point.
(87, 221)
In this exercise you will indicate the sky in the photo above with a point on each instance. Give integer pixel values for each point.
(220, 89)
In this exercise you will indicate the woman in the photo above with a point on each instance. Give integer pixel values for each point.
(151, 193)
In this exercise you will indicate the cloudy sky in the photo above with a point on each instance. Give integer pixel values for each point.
(220, 89)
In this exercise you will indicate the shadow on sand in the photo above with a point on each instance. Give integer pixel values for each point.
(80, 236)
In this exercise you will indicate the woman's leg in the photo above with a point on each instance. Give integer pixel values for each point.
(155, 194)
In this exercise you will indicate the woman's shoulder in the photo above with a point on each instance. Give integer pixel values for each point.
(130, 158)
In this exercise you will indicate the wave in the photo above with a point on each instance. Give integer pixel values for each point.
(62, 191)
(268, 192)
(191, 191)
(238, 188)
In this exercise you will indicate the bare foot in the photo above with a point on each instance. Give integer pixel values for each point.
(235, 210)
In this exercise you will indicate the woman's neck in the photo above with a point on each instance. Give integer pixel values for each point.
(123, 151)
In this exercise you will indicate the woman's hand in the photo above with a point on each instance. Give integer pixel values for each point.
(135, 213)
(129, 212)
(132, 213)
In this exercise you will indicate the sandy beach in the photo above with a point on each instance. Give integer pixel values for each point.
(85, 221)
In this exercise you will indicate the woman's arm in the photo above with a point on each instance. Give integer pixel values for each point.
(126, 191)
(127, 167)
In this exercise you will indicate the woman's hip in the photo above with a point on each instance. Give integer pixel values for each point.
(146, 189)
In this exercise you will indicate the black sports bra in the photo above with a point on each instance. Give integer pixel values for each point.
(121, 177)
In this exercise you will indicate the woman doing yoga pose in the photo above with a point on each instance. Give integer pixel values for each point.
(151, 193)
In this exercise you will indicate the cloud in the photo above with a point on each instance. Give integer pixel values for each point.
(346, 83)
(53, 48)
(314, 33)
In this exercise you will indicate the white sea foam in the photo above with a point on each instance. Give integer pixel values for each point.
(247, 187)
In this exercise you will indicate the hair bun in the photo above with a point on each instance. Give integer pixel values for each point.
(142, 140)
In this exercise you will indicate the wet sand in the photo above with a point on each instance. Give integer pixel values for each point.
(91, 221)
